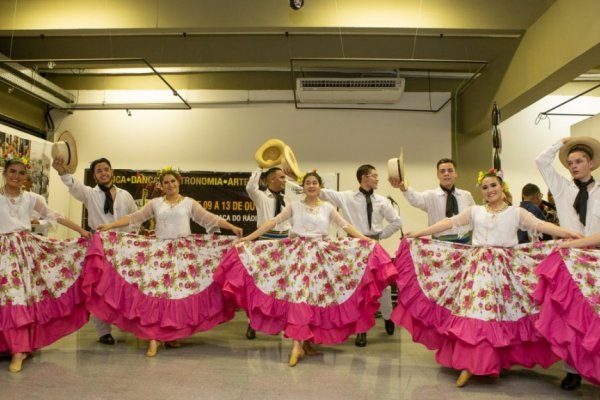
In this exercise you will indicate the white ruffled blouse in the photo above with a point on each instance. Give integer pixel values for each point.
(16, 212)
(173, 221)
(311, 222)
(495, 229)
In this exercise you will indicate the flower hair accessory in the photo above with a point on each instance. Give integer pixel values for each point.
(492, 172)
(23, 160)
(160, 174)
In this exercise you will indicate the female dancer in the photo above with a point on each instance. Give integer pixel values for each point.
(40, 291)
(472, 304)
(160, 289)
(313, 288)
(569, 294)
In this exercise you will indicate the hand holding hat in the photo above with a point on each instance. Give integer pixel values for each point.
(586, 141)
(270, 153)
(65, 150)
(275, 152)
(396, 172)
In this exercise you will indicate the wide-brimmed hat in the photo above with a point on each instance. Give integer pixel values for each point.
(289, 162)
(66, 149)
(396, 167)
(270, 153)
(590, 142)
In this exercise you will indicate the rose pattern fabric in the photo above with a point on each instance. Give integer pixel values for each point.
(173, 269)
(318, 272)
(34, 268)
(584, 267)
(485, 283)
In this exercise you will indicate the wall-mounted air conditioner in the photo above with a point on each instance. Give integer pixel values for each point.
(349, 90)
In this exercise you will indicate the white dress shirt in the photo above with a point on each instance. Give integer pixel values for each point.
(433, 202)
(93, 200)
(265, 202)
(565, 191)
(354, 208)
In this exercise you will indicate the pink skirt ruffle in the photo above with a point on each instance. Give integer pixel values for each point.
(302, 321)
(567, 319)
(26, 328)
(112, 299)
(482, 347)
(39, 323)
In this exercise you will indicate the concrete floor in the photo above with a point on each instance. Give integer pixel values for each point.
(223, 364)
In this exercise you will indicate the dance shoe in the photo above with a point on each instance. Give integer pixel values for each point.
(250, 333)
(463, 378)
(16, 364)
(309, 350)
(295, 356)
(389, 326)
(153, 346)
(361, 340)
(571, 381)
(107, 339)
(173, 344)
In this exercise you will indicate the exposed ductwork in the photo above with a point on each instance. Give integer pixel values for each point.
(31, 83)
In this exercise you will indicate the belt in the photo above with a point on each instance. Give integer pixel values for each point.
(274, 235)
(465, 239)
(280, 232)
(376, 236)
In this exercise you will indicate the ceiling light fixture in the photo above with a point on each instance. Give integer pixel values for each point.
(296, 4)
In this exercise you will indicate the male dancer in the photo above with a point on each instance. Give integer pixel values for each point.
(442, 202)
(366, 211)
(576, 200)
(531, 200)
(269, 203)
(105, 203)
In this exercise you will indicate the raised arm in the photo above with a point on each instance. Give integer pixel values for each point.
(553, 179)
(333, 196)
(76, 188)
(252, 187)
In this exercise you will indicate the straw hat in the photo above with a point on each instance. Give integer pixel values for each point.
(66, 149)
(590, 142)
(396, 167)
(289, 162)
(270, 153)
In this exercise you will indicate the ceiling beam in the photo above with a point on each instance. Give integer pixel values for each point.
(562, 44)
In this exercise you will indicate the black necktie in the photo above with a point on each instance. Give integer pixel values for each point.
(369, 204)
(108, 200)
(580, 204)
(451, 203)
(279, 202)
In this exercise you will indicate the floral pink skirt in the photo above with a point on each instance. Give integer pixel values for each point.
(41, 299)
(156, 289)
(473, 305)
(569, 294)
(309, 289)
